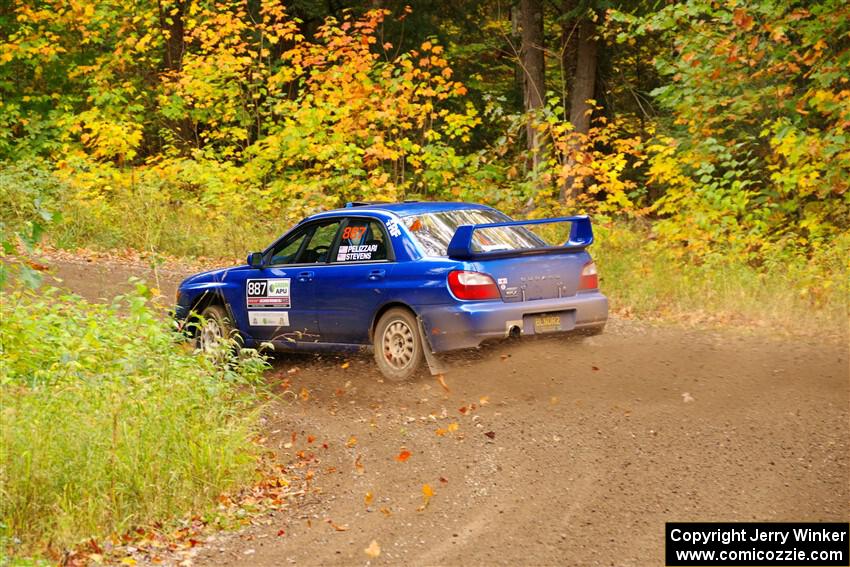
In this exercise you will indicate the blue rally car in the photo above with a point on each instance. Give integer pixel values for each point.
(405, 279)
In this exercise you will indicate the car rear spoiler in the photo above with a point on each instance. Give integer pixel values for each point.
(581, 236)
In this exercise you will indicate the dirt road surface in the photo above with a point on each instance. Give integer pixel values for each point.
(564, 452)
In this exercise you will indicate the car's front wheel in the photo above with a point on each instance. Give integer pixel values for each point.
(214, 330)
(398, 345)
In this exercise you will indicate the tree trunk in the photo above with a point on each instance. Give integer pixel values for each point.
(569, 46)
(584, 82)
(533, 68)
(583, 86)
(171, 23)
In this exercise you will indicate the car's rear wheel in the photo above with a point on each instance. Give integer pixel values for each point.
(215, 330)
(398, 345)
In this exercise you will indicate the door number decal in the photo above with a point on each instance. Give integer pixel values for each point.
(262, 294)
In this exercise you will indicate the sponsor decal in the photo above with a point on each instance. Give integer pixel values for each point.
(268, 318)
(268, 293)
(503, 283)
(392, 226)
(351, 253)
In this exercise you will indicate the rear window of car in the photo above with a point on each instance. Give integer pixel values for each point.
(434, 231)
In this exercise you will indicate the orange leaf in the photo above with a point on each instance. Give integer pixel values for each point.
(368, 498)
(403, 456)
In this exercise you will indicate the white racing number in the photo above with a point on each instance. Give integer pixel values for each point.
(257, 288)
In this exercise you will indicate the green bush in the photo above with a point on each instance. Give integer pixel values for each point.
(27, 189)
(108, 422)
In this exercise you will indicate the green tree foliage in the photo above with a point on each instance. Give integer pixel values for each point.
(754, 142)
(726, 121)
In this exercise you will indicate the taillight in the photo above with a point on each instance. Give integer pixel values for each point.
(589, 278)
(472, 285)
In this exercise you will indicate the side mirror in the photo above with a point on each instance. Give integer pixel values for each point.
(255, 259)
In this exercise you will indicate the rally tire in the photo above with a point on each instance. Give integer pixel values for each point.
(214, 329)
(398, 345)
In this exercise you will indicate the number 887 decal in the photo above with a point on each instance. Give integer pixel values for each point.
(267, 293)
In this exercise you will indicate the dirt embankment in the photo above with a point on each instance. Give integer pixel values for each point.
(547, 452)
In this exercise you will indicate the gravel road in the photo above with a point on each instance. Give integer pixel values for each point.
(546, 452)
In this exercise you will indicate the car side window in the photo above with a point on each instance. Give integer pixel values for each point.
(318, 247)
(362, 240)
(309, 245)
(286, 251)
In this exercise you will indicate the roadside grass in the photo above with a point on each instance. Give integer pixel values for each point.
(108, 423)
(644, 280)
(164, 215)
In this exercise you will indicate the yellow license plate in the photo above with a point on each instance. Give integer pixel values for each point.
(547, 323)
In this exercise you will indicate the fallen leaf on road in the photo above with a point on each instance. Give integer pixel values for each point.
(442, 380)
(358, 466)
(386, 511)
(310, 439)
(427, 494)
(484, 400)
(441, 432)
(337, 527)
(293, 370)
(281, 532)
(453, 427)
(504, 356)
(491, 434)
(368, 498)
(463, 410)
(352, 441)
(595, 368)
(374, 550)
(345, 365)
(554, 400)
(305, 394)
(403, 456)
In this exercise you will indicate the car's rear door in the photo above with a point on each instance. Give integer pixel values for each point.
(353, 285)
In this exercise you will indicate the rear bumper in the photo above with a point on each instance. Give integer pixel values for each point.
(468, 324)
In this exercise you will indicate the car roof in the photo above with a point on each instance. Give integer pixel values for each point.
(403, 209)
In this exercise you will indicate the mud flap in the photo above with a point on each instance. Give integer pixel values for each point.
(435, 365)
